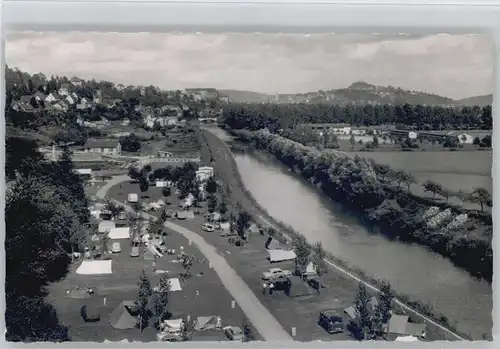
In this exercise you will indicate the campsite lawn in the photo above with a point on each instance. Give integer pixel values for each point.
(301, 312)
(120, 286)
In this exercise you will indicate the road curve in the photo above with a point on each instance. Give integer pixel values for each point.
(263, 321)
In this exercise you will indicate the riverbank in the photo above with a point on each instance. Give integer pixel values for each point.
(228, 169)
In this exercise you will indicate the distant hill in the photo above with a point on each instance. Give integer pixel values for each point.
(246, 96)
(476, 100)
(358, 93)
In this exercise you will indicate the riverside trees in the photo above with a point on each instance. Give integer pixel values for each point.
(370, 191)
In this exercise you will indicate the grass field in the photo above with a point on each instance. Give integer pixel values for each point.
(213, 298)
(460, 170)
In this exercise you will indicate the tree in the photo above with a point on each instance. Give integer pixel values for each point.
(481, 196)
(364, 313)
(211, 186)
(162, 304)
(166, 192)
(212, 203)
(408, 179)
(375, 141)
(134, 173)
(104, 243)
(130, 143)
(303, 254)
(242, 223)
(352, 141)
(318, 258)
(142, 299)
(383, 310)
(115, 209)
(143, 184)
(433, 187)
(222, 207)
(247, 331)
(187, 262)
(446, 193)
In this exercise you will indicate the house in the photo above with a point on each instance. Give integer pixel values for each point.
(171, 121)
(61, 106)
(83, 104)
(76, 82)
(85, 173)
(64, 90)
(465, 138)
(70, 100)
(52, 98)
(74, 96)
(103, 146)
(339, 128)
(40, 96)
(224, 99)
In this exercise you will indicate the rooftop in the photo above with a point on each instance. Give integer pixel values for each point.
(101, 143)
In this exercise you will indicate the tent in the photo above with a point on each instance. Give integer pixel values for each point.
(398, 324)
(281, 255)
(310, 269)
(133, 197)
(90, 313)
(94, 238)
(254, 229)
(407, 339)
(106, 226)
(272, 244)
(155, 250)
(161, 184)
(226, 226)
(119, 233)
(185, 215)
(121, 318)
(94, 268)
(174, 324)
(175, 285)
(204, 323)
(351, 311)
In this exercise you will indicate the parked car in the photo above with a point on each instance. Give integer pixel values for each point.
(331, 321)
(234, 333)
(276, 273)
(208, 227)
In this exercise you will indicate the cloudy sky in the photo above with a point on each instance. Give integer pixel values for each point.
(452, 66)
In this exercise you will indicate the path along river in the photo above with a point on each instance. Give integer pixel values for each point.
(411, 269)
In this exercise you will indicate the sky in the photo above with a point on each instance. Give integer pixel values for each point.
(455, 66)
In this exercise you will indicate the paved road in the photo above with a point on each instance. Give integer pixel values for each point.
(263, 321)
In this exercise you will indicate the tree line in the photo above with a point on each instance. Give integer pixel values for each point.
(377, 193)
(406, 116)
(46, 215)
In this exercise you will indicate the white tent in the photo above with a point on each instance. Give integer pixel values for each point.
(155, 250)
(203, 323)
(161, 184)
(226, 226)
(119, 233)
(281, 255)
(175, 284)
(173, 323)
(310, 269)
(133, 197)
(406, 339)
(94, 268)
(106, 226)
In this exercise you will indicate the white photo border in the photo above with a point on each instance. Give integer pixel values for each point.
(289, 16)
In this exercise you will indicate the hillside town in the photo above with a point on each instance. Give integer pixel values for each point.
(136, 213)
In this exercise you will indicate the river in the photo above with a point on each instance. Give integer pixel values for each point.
(411, 269)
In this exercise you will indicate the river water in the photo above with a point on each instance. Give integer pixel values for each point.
(411, 269)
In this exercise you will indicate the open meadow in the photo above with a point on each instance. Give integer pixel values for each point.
(454, 170)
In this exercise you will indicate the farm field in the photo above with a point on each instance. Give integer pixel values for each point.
(460, 170)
